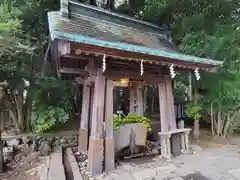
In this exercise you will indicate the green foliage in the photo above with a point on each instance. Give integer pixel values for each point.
(44, 118)
(23, 40)
(216, 37)
(194, 111)
(53, 103)
(119, 120)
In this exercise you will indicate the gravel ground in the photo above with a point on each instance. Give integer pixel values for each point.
(31, 167)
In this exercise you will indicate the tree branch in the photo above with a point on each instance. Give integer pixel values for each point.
(46, 56)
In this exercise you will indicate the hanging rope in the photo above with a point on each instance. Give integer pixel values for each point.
(141, 68)
(172, 72)
(104, 63)
(197, 74)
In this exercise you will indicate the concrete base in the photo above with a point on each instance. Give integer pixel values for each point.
(109, 155)
(83, 140)
(95, 156)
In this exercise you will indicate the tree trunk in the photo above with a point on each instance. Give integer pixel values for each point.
(12, 115)
(44, 66)
(28, 111)
(226, 127)
(196, 131)
(19, 109)
(212, 120)
(219, 122)
(1, 142)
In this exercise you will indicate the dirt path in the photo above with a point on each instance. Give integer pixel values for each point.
(31, 167)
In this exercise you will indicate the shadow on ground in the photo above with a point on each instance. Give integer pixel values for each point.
(195, 176)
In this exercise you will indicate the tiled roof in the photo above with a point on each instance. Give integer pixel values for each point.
(114, 33)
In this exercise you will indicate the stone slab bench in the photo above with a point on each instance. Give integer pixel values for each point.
(165, 138)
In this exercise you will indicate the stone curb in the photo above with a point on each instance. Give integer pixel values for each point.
(73, 165)
(56, 168)
(62, 133)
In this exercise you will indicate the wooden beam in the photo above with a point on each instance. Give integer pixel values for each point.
(66, 70)
(120, 54)
(109, 140)
(146, 77)
(83, 131)
(95, 151)
(81, 57)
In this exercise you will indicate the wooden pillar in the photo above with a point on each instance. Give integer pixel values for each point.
(136, 100)
(83, 131)
(172, 124)
(163, 107)
(132, 105)
(109, 140)
(170, 104)
(90, 110)
(140, 110)
(96, 149)
(166, 104)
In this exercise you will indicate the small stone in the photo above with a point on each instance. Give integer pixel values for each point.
(13, 142)
(18, 157)
(7, 150)
(45, 148)
(70, 140)
(57, 142)
(155, 151)
(34, 146)
(84, 170)
(63, 140)
(84, 164)
(7, 154)
(195, 149)
(26, 139)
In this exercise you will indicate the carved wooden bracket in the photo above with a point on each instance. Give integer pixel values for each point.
(91, 68)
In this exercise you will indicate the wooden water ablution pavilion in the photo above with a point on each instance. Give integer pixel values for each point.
(103, 50)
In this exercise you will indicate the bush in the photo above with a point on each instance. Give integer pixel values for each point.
(43, 119)
(194, 111)
(119, 120)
